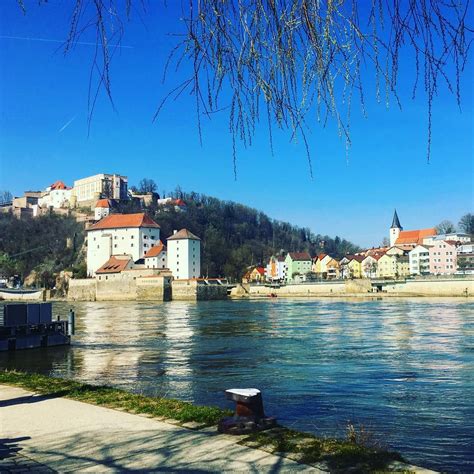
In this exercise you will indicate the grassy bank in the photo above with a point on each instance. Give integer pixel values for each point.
(357, 453)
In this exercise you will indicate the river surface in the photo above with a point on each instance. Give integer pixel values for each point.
(402, 369)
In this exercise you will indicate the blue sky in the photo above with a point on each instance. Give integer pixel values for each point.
(44, 137)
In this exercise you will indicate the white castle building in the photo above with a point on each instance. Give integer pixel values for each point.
(120, 234)
(184, 255)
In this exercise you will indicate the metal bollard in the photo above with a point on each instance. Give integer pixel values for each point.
(71, 326)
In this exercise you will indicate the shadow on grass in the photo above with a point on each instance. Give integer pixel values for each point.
(329, 454)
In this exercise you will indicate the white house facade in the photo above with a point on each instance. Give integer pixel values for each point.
(276, 269)
(120, 234)
(184, 255)
(419, 259)
(102, 209)
(156, 257)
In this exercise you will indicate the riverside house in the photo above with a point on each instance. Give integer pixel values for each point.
(419, 259)
(443, 257)
(369, 266)
(276, 269)
(298, 264)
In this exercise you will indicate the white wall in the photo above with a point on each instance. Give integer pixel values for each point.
(160, 261)
(101, 212)
(184, 258)
(134, 241)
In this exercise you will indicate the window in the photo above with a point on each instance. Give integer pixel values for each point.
(145, 245)
(115, 245)
(145, 236)
(131, 236)
(131, 245)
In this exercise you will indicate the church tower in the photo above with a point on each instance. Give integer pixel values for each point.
(395, 229)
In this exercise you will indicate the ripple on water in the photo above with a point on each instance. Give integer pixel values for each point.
(404, 369)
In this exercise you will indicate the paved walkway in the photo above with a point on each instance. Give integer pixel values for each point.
(41, 434)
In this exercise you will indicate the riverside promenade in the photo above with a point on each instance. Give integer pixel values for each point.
(39, 433)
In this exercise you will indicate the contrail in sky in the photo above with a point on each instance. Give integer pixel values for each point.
(48, 40)
(66, 125)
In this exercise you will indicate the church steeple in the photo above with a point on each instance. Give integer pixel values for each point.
(395, 229)
(395, 221)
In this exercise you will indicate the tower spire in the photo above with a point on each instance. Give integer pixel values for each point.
(396, 221)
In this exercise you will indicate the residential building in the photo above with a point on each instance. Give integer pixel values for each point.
(403, 266)
(344, 270)
(156, 257)
(443, 257)
(120, 234)
(419, 260)
(332, 267)
(102, 209)
(276, 269)
(298, 264)
(355, 266)
(387, 266)
(184, 255)
(460, 237)
(89, 190)
(320, 265)
(369, 266)
(465, 259)
(254, 274)
(56, 196)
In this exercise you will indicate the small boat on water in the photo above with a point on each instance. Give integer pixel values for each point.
(15, 294)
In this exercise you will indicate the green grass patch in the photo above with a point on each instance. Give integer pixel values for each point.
(115, 398)
(355, 454)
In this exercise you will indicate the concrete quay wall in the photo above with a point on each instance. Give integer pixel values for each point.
(447, 287)
(300, 290)
(147, 288)
(196, 290)
(364, 287)
(156, 288)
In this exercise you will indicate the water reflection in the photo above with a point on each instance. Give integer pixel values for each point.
(404, 368)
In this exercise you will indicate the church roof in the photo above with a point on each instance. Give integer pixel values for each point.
(396, 222)
(414, 236)
(120, 221)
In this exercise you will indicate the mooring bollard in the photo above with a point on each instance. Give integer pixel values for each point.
(71, 323)
(249, 413)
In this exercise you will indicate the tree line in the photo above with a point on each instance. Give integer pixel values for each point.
(235, 236)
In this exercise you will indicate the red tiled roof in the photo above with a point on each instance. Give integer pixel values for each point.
(156, 250)
(299, 256)
(184, 234)
(414, 236)
(105, 203)
(119, 221)
(58, 185)
(260, 270)
(114, 265)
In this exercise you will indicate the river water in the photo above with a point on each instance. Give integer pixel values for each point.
(402, 369)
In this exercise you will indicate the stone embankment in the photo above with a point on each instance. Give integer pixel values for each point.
(446, 287)
(149, 288)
